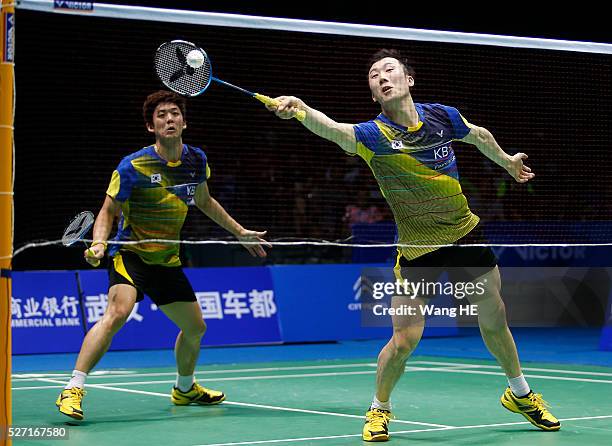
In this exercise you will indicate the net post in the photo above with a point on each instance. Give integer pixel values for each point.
(7, 36)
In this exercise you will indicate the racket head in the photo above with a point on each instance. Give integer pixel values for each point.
(77, 228)
(174, 72)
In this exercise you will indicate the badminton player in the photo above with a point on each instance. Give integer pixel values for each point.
(150, 192)
(408, 147)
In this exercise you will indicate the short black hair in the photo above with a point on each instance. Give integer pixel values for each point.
(161, 97)
(382, 53)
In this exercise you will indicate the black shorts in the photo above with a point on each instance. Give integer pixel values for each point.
(163, 284)
(460, 263)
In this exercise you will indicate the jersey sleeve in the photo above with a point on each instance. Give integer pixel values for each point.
(458, 122)
(367, 135)
(204, 170)
(122, 181)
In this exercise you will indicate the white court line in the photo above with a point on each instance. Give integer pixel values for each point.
(316, 412)
(527, 375)
(311, 375)
(450, 428)
(237, 403)
(94, 374)
(569, 372)
(131, 373)
(535, 369)
(105, 374)
(286, 440)
(37, 375)
(234, 378)
(457, 368)
(435, 427)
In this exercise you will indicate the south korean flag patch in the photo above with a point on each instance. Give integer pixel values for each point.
(397, 144)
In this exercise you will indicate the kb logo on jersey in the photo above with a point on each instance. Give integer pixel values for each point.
(397, 144)
(156, 178)
(441, 152)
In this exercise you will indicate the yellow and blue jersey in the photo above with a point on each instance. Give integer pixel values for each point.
(416, 170)
(154, 195)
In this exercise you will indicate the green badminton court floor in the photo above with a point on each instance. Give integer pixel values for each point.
(322, 403)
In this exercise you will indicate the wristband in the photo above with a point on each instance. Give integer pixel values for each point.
(99, 242)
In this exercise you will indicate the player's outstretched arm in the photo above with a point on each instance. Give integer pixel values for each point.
(485, 142)
(317, 122)
(102, 228)
(251, 240)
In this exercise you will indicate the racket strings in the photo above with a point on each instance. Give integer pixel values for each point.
(172, 68)
(77, 228)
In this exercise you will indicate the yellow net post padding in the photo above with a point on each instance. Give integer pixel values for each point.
(7, 35)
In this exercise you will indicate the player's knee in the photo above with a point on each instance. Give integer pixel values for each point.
(405, 342)
(116, 319)
(201, 329)
(493, 317)
(196, 330)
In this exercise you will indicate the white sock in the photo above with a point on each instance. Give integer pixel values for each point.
(519, 386)
(386, 405)
(184, 383)
(77, 380)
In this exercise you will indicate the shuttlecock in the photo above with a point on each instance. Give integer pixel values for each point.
(195, 58)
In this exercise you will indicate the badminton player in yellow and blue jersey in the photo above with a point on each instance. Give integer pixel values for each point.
(150, 192)
(408, 148)
(143, 179)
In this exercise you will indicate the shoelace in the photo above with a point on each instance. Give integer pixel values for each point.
(378, 419)
(201, 390)
(539, 402)
(76, 394)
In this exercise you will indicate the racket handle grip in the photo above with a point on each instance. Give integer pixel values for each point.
(300, 115)
(93, 261)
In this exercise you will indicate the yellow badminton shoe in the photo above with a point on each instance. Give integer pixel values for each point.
(376, 427)
(69, 402)
(196, 395)
(532, 407)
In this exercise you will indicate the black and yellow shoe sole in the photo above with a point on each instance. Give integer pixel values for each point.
(200, 403)
(540, 426)
(73, 415)
(376, 438)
